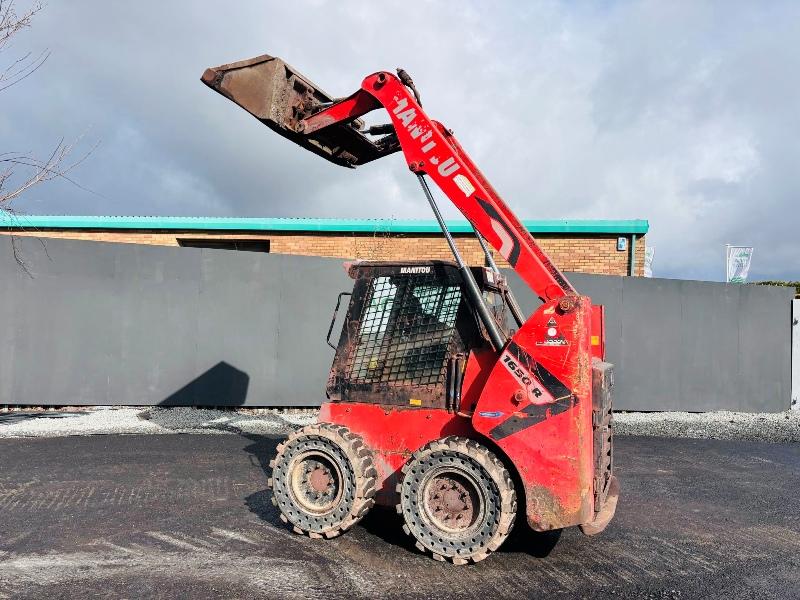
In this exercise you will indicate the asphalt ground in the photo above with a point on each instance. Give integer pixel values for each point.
(169, 516)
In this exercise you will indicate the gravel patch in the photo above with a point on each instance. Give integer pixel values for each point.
(767, 427)
(722, 425)
(151, 420)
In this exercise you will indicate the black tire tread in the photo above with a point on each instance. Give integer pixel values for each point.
(361, 459)
(496, 469)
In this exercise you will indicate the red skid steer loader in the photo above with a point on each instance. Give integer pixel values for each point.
(435, 404)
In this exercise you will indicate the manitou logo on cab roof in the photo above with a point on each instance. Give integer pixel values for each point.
(414, 270)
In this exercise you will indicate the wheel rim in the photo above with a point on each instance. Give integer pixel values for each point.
(323, 480)
(452, 501)
(315, 482)
(464, 487)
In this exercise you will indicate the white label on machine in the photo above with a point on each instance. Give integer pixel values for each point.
(464, 185)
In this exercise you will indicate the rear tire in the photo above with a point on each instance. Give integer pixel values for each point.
(323, 480)
(457, 500)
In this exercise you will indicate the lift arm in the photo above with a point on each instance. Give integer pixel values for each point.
(431, 148)
(543, 375)
(297, 109)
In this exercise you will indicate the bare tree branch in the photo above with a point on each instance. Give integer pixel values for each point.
(15, 249)
(11, 24)
(27, 170)
(21, 69)
(20, 171)
(55, 166)
(18, 256)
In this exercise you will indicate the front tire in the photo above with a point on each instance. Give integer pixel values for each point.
(457, 500)
(323, 480)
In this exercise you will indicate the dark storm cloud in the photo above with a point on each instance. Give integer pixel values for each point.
(683, 113)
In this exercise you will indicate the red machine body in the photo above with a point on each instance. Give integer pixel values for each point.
(530, 401)
(546, 432)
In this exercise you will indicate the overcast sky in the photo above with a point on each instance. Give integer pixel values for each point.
(683, 113)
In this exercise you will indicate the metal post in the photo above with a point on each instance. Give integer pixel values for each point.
(516, 311)
(471, 286)
(795, 402)
(632, 269)
(727, 252)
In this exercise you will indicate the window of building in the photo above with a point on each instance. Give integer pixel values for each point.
(225, 244)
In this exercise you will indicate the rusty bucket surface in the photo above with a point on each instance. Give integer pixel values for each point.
(280, 97)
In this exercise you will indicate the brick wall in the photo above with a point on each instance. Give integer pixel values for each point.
(571, 252)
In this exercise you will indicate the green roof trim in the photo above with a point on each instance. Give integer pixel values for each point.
(33, 222)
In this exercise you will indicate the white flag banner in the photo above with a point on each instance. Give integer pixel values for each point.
(649, 251)
(738, 263)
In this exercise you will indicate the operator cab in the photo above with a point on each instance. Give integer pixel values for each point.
(408, 331)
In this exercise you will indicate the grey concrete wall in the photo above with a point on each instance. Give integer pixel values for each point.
(106, 323)
(691, 345)
(102, 323)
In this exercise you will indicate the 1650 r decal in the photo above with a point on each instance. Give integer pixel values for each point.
(521, 375)
(521, 364)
